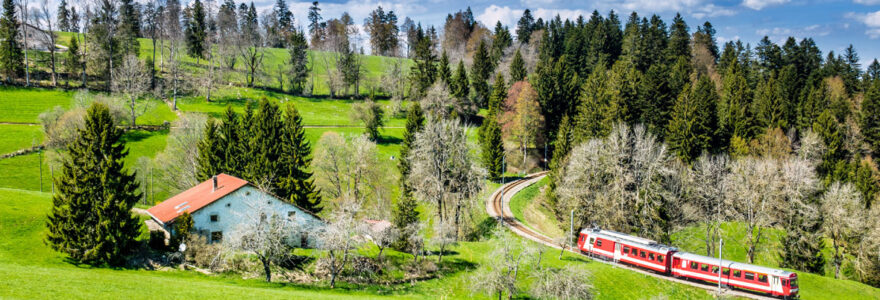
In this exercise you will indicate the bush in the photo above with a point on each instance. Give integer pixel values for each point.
(157, 241)
(203, 254)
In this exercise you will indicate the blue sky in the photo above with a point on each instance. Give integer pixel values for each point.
(833, 24)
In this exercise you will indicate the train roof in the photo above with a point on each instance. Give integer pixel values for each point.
(610, 234)
(733, 265)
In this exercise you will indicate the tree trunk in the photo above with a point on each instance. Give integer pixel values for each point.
(133, 117)
(266, 269)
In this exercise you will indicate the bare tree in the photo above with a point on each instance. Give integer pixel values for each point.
(844, 217)
(347, 168)
(132, 80)
(61, 127)
(509, 255)
(263, 232)
(415, 242)
(24, 11)
(340, 237)
(178, 164)
(444, 171)
(384, 237)
(707, 196)
(867, 264)
(249, 45)
(444, 236)
(625, 178)
(753, 189)
(172, 38)
(44, 19)
(568, 282)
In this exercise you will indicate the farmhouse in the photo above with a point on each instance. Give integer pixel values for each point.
(221, 203)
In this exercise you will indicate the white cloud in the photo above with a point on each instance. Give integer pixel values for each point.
(780, 34)
(696, 8)
(871, 20)
(867, 2)
(494, 13)
(761, 4)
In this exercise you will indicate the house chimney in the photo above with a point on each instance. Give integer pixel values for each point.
(215, 183)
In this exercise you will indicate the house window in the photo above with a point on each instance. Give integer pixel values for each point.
(214, 218)
(216, 236)
(291, 214)
(750, 276)
(304, 240)
(228, 204)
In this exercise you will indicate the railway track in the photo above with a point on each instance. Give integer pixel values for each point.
(497, 206)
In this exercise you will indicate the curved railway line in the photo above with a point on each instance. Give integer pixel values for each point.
(499, 208)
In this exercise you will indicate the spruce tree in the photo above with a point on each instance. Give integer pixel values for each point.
(266, 147)
(196, 31)
(499, 93)
(231, 146)
(733, 109)
(63, 17)
(870, 119)
(657, 99)
(563, 145)
(90, 219)
(679, 39)
(459, 87)
(480, 72)
(828, 128)
(493, 147)
(525, 26)
(769, 107)
(405, 212)
(803, 242)
(129, 28)
(443, 71)
(424, 69)
(500, 43)
(73, 61)
(814, 103)
(296, 182)
(298, 62)
(598, 109)
(11, 54)
(517, 68)
(210, 153)
(691, 129)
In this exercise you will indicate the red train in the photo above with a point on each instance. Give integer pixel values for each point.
(648, 254)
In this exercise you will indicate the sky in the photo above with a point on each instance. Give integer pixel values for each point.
(833, 24)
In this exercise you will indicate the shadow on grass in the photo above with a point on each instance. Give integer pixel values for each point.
(389, 140)
(483, 229)
(138, 135)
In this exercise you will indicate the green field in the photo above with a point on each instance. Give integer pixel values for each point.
(24, 105)
(15, 137)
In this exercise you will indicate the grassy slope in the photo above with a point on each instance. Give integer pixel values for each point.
(31, 270)
(24, 105)
(532, 213)
(14, 137)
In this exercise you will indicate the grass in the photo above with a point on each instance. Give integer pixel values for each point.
(31, 270)
(24, 105)
(14, 137)
(527, 207)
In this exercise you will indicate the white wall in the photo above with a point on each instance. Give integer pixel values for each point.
(232, 210)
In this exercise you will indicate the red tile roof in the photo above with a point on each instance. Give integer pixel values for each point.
(195, 198)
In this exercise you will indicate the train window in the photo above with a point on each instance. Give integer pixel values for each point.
(750, 276)
(598, 243)
(693, 265)
(704, 267)
(715, 269)
(762, 278)
(651, 256)
(625, 249)
(660, 258)
(642, 254)
(794, 283)
(784, 282)
(725, 271)
(736, 273)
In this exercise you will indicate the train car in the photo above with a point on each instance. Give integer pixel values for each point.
(624, 248)
(775, 282)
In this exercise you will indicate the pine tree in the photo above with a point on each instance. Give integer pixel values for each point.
(231, 144)
(828, 128)
(415, 122)
(679, 39)
(196, 31)
(63, 16)
(73, 59)
(11, 54)
(564, 143)
(598, 110)
(733, 109)
(690, 131)
(525, 26)
(480, 72)
(517, 68)
(500, 43)
(870, 119)
(459, 87)
(803, 242)
(769, 106)
(499, 93)
(424, 69)
(443, 71)
(266, 147)
(814, 103)
(299, 62)
(493, 147)
(210, 153)
(558, 87)
(129, 28)
(91, 218)
(297, 183)
(657, 99)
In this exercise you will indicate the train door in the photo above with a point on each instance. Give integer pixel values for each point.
(617, 251)
(775, 285)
